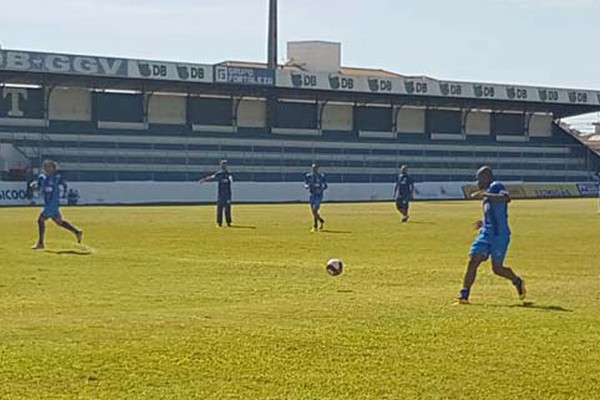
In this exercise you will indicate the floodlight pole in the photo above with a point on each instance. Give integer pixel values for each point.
(272, 63)
(273, 39)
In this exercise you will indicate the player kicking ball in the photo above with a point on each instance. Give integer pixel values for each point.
(494, 234)
(316, 184)
(49, 183)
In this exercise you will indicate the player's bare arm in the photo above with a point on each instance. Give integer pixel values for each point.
(497, 197)
(209, 178)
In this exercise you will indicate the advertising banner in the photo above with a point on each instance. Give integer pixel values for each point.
(536, 190)
(108, 193)
(423, 86)
(588, 189)
(244, 76)
(170, 71)
(551, 191)
(27, 61)
(14, 194)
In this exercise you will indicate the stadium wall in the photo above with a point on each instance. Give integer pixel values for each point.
(137, 193)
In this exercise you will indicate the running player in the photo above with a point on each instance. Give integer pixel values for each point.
(316, 184)
(494, 234)
(224, 180)
(50, 183)
(403, 192)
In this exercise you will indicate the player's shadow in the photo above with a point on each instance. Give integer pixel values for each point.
(69, 252)
(531, 305)
(242, 227)
(334, 232)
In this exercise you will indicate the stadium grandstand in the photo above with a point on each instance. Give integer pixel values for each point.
(110, 119)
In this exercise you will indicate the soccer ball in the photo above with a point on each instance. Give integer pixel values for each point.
(335, 267)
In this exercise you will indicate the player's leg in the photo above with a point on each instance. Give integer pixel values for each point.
(405, 207)
(470, 275)
(499, 250)
(318, 207)
(507, 273)
(220, 209)
(321, 222)
(315, 214)
(41, 221)
(66, 225)
(401, 207)
(480, 251)
(227, 207)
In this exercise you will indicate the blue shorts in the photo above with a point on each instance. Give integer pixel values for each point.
(51, 212)
(315, 201)
(490, 245)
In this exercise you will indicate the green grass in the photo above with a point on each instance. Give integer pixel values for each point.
(160, 304)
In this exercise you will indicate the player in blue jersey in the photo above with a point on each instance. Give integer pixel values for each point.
(494, 234)
(224, 181)
(49, 183)
(403, 192)
(316, 184)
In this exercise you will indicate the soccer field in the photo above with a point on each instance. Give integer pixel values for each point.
(161, 304)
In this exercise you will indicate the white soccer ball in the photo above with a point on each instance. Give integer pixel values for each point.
(335, 267)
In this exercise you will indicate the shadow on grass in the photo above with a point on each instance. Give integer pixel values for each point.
(527, 304)
(70, 252)
(334, 232)
(530, 304)
(242, 227)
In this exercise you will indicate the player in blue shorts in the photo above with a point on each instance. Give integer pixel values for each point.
(403, 192)
(316, 184)
(224, 181)
(49, 183)
(494, 234)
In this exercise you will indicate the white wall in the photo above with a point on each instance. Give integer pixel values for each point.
(167, 109)
(252, 113)
(70, 104)
(540, 125)
(190, 192)
(411, 120)
(315, 55)
(337, 117)
(478, 123)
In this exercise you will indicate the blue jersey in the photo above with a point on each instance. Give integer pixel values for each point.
(404, 186)
(224, 180)
(316, 183)
(50, 187)
(495, 214)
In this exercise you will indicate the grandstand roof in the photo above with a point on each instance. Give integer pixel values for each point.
(293, 81)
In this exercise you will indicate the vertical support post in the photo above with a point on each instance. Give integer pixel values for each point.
(273, 35)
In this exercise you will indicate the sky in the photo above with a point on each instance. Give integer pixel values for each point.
(533, 42)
